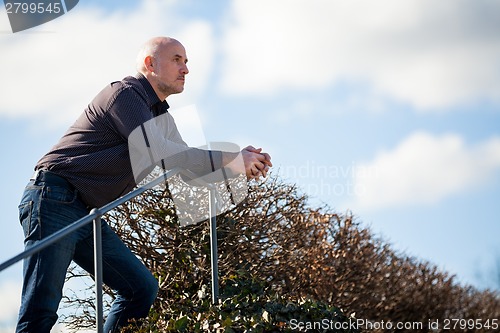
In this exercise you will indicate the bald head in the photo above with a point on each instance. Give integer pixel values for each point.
(163, 62)
(153, 48)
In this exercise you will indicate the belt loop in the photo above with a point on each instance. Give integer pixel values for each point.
(35, 175)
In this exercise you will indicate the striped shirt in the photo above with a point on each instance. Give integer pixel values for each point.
(93, 155)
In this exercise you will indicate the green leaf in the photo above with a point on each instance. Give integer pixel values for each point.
(181, 323)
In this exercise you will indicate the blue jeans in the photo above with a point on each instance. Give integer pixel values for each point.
(48, 204)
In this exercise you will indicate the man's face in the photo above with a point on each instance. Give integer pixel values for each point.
(171, 69)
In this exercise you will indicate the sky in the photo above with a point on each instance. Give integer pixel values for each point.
(389, 110)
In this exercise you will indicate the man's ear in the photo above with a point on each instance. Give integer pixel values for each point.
(148, 64)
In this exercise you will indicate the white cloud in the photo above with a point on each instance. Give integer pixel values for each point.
(424, 169)
(52, 72)
(432, 55)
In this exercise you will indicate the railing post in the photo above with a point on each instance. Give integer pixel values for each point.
(98, 269)
(213, 245)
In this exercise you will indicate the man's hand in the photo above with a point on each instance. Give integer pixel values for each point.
(257, 163)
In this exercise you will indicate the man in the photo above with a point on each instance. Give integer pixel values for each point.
(89, 167)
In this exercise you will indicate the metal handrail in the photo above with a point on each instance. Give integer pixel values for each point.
(95, 216)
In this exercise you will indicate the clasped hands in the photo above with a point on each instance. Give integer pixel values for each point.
(257, 163)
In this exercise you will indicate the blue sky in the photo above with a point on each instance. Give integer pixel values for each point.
(388, 109)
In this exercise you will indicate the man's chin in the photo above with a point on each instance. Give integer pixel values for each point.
(177, 91)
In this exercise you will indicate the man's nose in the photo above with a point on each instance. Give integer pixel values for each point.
(184, 69)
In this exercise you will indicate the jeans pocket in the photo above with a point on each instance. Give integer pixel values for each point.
(30, 229)
(59, 194)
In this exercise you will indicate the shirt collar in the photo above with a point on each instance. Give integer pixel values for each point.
(156, 105)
